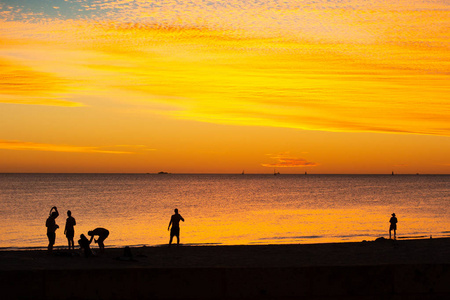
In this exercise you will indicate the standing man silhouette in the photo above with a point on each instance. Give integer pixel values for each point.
(69, 231)
(393, 226)
(51, 228)
(175, 222)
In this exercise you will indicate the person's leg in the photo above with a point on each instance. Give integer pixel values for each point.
(389, 233)
(178, 240)
(170, 241)
(100, 243)
(395, 234)
(51, 242)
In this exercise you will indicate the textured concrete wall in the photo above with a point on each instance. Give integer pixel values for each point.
(354, 282)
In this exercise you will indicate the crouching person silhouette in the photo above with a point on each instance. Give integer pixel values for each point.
(102, 234)
(85, 245)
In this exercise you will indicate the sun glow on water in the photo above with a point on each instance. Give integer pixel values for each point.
(223, 209)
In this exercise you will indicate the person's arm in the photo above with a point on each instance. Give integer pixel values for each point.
(170, 223)
(92, 237)
(57, 214)
(181, 218)
(65, 228)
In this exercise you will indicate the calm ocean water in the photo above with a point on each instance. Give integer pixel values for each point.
(223, 209)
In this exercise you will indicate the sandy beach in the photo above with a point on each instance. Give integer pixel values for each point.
(412, 269)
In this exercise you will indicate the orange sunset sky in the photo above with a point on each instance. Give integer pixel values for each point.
(221, 86)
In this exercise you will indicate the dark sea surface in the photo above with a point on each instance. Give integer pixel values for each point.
(223, 209)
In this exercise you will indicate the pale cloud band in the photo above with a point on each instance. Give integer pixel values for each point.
(20, 145)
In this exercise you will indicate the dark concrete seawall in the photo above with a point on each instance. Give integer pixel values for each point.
(422, 281)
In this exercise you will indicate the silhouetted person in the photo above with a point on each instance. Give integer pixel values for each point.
(393, 226)
(102, 235)
(175, 222)
(69, 231)
(51, 228)
(85, 245)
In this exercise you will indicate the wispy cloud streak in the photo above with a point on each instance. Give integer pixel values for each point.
(21, 145)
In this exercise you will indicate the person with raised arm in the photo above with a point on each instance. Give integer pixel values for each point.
(51, 228)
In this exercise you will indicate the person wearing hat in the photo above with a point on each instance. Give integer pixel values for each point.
(393, 226)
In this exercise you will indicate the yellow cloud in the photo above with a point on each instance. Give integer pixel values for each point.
(223, 77)
(22, 85)
(349, 68)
